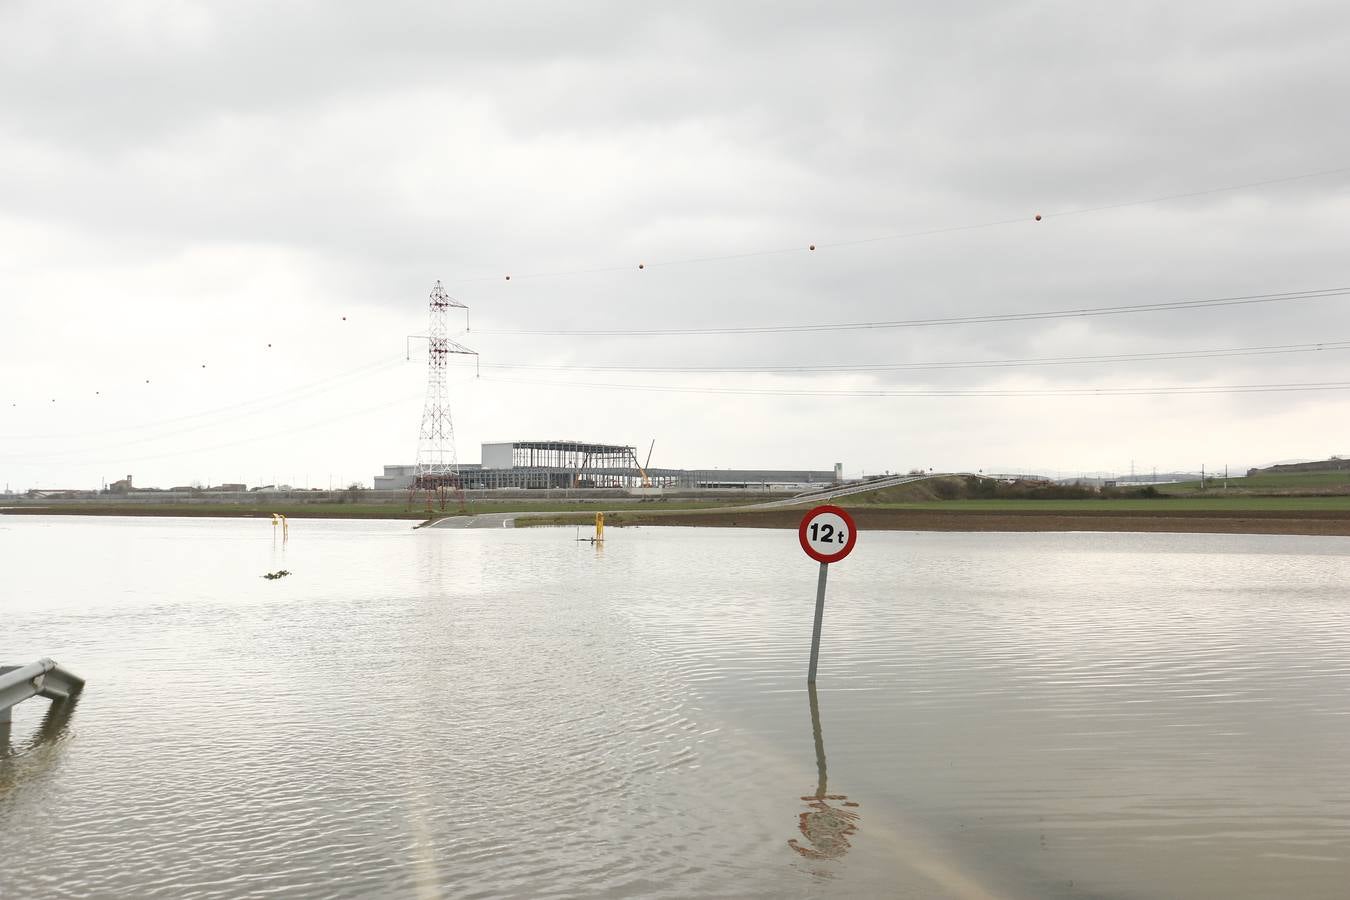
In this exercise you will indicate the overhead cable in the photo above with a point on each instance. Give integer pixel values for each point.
(244, 408)
(1160, 356)
(981, 319)
(951, 392)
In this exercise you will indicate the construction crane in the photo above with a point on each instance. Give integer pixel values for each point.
(642, 468)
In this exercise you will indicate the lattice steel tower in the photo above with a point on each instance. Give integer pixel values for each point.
(437, 469)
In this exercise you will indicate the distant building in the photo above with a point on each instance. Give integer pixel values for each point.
(395, 478)
(579, 464)
(121, 487)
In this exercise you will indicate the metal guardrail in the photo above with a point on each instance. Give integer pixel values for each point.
(43, 678)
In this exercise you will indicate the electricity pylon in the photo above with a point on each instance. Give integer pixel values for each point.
(437, 468)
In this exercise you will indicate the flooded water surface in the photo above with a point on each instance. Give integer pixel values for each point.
(459, 713)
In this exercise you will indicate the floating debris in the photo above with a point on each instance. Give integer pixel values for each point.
(279, 573)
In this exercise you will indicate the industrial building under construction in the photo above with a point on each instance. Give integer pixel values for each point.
(580, 464)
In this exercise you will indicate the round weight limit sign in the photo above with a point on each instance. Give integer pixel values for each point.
(827, 534)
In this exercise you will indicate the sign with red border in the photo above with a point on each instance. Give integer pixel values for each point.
(827, 534)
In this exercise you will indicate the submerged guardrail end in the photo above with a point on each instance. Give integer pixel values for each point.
(44, 678)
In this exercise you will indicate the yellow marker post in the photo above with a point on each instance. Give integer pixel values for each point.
(599, 527)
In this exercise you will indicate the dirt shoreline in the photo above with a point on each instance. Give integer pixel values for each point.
(1328, 522)
(195, 511)
(1305, 522)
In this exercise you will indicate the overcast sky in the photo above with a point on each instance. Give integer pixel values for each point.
(184, 184)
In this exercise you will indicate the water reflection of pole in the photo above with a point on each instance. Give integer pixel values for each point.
(820, 741)
(827, 828)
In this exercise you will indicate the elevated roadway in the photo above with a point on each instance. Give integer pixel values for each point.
(825, 495)
(822, 495)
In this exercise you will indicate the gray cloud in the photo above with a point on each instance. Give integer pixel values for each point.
(364, 151)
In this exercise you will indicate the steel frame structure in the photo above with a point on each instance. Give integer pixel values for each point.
(563, 464)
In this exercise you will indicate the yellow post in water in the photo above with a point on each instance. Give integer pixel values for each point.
(599, 526)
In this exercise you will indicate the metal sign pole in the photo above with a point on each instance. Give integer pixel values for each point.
(820, 615)
(827, 534)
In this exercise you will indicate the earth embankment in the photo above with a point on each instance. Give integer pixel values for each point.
(1309, 522)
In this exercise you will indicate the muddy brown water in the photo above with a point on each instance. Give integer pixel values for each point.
(511, 713)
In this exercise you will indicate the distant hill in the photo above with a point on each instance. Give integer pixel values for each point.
(1138, 479)
(1334, 464)
(972, 487)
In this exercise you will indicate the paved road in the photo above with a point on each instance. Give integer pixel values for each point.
(486, 520)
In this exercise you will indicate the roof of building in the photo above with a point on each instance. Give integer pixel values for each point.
(584, 446)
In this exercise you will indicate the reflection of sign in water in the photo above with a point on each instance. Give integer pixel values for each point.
(825, 827)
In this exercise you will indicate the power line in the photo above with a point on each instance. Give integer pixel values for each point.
(1201, 193)
(807, 247)
(241, 409)
(1039, 315)
(1160, 356)
(955, 392)
(246, 439)
(255, 438)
